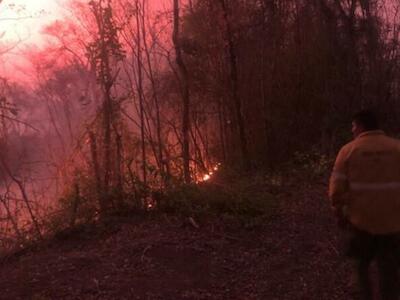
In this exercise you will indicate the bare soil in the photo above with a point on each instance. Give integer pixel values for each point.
(292, 255)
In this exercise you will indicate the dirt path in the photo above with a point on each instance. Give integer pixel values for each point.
(294, 256)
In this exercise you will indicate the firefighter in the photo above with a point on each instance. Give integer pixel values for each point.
(364, 191)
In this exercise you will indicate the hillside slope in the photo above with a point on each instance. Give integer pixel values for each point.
(293, 256)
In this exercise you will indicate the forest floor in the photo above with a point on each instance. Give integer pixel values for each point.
(292, 255)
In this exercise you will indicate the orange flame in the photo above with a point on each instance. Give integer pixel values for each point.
(206, 177)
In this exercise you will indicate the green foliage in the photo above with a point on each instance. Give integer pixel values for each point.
(212, 199)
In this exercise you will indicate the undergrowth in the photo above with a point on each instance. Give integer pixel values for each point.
(245, 199)
(216, 199)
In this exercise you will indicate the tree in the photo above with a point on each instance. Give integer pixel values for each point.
(184, 82)
(233, 72)
(105, 51)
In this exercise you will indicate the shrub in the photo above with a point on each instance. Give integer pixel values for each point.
(237, 199)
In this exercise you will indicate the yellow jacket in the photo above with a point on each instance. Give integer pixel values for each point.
(365, 182)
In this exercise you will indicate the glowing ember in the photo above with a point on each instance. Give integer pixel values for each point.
(206, 177)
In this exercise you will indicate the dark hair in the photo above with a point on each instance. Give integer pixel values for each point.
(367, 119)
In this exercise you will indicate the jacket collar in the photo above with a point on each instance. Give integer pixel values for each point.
(371, 132)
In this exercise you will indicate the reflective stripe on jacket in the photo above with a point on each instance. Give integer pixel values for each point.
(366, 182)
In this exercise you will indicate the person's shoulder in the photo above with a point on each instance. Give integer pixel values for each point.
(390, 139)
(348, 147)
(390, 142)
(394, 141)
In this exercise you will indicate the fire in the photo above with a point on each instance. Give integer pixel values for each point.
(208, 175)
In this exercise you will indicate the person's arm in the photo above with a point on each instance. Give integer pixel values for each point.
(338, 184)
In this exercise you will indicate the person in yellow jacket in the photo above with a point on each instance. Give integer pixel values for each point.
(364, 190)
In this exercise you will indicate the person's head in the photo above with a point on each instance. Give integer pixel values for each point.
(364, 120)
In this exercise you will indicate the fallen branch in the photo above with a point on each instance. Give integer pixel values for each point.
(193, 223)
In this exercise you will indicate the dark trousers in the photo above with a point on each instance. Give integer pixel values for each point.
(385, 250)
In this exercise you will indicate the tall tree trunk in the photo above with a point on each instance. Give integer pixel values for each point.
(75, 204)
(185, 94)
(96, 171)
(105, 79)
(221, 130)
(140, 91)
(107, 107)
(235, 86)
(154, 94)
(119, 170)
(106, 49)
